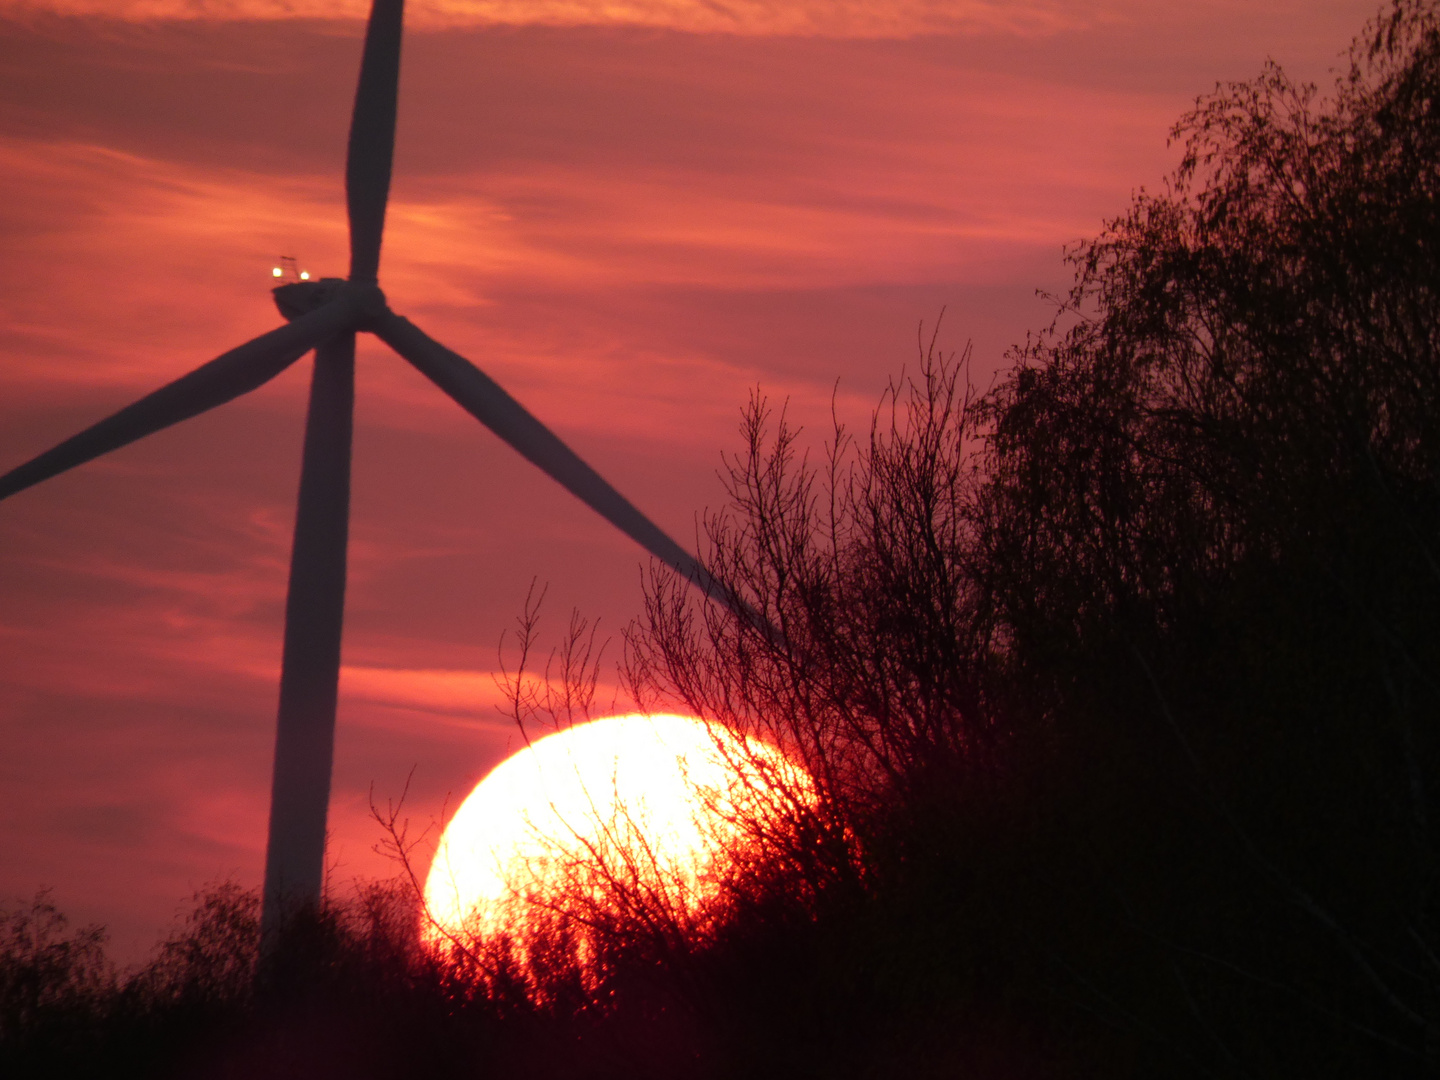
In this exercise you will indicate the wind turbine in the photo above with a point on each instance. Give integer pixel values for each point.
(325, 316)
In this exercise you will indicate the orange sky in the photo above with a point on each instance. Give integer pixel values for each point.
(630, 214)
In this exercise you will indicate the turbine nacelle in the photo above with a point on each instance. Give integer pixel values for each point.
(300, 298)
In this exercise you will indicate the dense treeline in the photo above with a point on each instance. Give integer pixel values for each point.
(1118, 684)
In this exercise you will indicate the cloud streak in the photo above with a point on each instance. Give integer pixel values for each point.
(827, 18)
(629, 223)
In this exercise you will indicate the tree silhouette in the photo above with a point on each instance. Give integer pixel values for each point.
(1211, 515)
(1134, 711)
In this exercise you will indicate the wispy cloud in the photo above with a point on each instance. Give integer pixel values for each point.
(827, 18)
(628, 228)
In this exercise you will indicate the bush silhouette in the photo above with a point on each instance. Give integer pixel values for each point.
(1131, 708)
(54, 983)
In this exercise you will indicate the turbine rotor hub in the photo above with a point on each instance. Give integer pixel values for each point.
(302, 297)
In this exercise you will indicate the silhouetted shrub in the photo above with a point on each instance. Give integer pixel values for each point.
(1132, 712)
(55, 984)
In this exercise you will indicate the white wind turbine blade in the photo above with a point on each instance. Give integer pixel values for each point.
(484, 399)
(372, 138)
(223, 379)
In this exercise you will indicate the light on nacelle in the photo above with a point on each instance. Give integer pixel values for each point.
(304, 275)
(277, 272)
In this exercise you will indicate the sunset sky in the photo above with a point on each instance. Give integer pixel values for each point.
(630, 214)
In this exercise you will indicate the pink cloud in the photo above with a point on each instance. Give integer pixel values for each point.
(628, 227)
(839, 18)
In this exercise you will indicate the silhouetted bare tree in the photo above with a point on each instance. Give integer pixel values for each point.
(1145, 691)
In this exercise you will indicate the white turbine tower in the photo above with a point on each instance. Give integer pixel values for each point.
(325, 316)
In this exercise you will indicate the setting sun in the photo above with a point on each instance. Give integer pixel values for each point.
(650, 801)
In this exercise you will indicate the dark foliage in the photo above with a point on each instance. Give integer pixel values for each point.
(354, 997)
(52, 983)
(1133, 713)
(1210, 530)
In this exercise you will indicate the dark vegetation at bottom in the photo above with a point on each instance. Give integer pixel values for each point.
(774, 996)
(350, 1001)
(1118, 684)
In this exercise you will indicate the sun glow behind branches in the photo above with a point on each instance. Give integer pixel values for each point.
(648, 805)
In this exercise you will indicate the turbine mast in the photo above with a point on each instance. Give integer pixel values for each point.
(310, 668)
(315, 605)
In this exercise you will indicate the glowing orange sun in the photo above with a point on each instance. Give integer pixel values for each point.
(654, 802)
